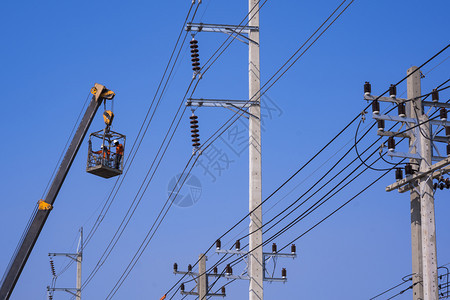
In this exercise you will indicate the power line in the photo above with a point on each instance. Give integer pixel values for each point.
(437, 65)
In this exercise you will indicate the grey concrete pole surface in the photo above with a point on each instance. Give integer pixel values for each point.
(79, 260)
(202, 285)
(429, 252)
(415, 109)
(255, 269)
(428, 256)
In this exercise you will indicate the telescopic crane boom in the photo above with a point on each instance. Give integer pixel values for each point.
(26, 245)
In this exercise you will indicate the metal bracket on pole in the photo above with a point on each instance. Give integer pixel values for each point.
(228, 29)
(290, 255)
(394, 118)
(436, 104)
(384, 99)
(395, 134)
(220, 103)
(441, 139)
(71, 291)
(273, 256)
(237, 104)
(403, 154)
(69, 255)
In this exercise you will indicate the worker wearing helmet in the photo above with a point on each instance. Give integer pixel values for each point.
(106, 153)
(119, 153)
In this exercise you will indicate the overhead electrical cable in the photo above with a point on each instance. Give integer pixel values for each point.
(437, 65)
(336, 210)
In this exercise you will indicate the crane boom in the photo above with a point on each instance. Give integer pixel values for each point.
(31, 235)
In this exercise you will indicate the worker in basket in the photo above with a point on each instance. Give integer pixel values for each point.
(106, 153)
(119, 153)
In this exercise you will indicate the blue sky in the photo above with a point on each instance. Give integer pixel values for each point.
(53, 52)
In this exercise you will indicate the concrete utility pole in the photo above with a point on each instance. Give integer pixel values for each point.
(256, 268)
(202, 278)
(256, 258)
(415, 109)
(423, 230)
(77, 257)
(429, 257)
(423, 139)
(79, 260)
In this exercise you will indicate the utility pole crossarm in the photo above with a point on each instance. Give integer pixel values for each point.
(436, 104)
(384, 99)
(436, 174)
(232, 30)
(289, 255)
(219, 103)
(71, 291)
(404, 154)
(394, 118)
(414, 177)
(219, 28)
